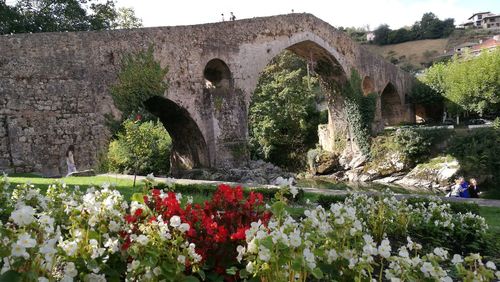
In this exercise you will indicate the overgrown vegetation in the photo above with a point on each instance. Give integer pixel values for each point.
(141, 77)
(283, 118)
(142, 144)
(142, 148)
(360, 111)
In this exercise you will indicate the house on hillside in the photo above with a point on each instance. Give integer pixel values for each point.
(483, 20)
(486, 45)
(491, 22)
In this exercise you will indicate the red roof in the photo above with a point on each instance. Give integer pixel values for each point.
(490, 43)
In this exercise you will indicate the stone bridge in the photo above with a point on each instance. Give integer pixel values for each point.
(54, 87)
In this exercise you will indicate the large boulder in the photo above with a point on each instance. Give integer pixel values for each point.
(388, 164)
(326, 163)
(436, 173)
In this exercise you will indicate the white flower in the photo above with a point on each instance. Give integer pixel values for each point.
(294, 191)
(446, 279)
(19, 251)
(181, 259)
(332, 255)
(440, 252)
(427, 268)
(112, 245)
(142, 239)
(310, 258)
(491, 265)
(264, 253)
(23, 216)
(249, 267)
(113, 226)
(403, 252)
(252, 246)
(70, 270)
(70, 247)
(150, 177)
(26, 241)
(457, 259)
(241, 251)
(385, 248)
(295, 239)
(175, 221)
(184, 227)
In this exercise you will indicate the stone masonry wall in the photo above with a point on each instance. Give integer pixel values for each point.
(54, 87)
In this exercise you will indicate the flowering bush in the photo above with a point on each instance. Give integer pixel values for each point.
(215, 228)
(95, 235)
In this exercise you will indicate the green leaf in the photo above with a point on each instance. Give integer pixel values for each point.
(232, 271)
(317, 273)
(10, 276)
(191, 279)
(138, 197)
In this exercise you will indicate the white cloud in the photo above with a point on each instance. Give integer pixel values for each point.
(396, 13)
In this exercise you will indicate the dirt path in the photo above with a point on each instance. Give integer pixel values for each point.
(481, 202)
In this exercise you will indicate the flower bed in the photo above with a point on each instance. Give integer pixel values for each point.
(96, 235)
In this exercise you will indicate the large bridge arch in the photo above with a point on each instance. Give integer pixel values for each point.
(189, 149)
(392, 109)
(65, 78)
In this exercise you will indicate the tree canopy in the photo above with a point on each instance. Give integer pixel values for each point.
(429, 27)
(468, 84)
(64, 15)
(283, 118)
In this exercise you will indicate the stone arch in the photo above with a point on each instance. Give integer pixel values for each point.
(189, 149)
(391, 106)
(368, 85)
(326, 63)
(217, 74)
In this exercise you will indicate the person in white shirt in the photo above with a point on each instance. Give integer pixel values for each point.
(70, 161)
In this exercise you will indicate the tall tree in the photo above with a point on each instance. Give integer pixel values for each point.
(283, 118)
(469, 83)
(64, 15)
(381, 34)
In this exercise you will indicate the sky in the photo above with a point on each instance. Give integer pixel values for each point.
(357, 13)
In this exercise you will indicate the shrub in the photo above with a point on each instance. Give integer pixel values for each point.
(142, 147)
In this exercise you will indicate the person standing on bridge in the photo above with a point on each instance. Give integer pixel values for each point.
(70, 161)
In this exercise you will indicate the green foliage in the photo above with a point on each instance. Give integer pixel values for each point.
(478, 153)
(142, 148)
(412, 144)
(423, 94)
(141, 77)
(429, 27)
(126, 19)
(360, 112)
(283, 118)
(64, 15)
(468, 84)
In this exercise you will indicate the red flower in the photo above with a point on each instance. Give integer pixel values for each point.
(138, 212)
(239, 234)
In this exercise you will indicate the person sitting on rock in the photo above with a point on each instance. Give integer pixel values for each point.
(464, 191)
(473, 189)
(455, 189)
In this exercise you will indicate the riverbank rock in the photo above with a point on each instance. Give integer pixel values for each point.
(256, 172)
(325, 163)
(436, 173)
